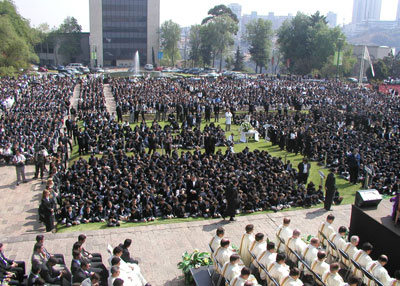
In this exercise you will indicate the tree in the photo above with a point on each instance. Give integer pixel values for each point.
(195, 44)
(393, 64)
(380, 69)
(17, 40)
(329, 70)
(220, 10)
(170, 34)
(67, 39)
(239, 61)
(258, 35)
(307, 42)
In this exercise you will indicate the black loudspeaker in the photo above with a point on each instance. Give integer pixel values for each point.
(367, 198)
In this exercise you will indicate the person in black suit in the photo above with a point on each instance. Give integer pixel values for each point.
(47, 211)
(34, 277)
(82, 272)
(330, 189)
(232, 198)
(17, 267)
(125, 252)
(53, 276)
(304, 171)
(92, 257)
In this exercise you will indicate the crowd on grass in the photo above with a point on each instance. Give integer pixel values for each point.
(140, 170)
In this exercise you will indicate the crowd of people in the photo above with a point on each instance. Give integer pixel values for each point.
(285, 258)
(86, 269)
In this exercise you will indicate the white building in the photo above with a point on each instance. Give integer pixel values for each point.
(365, 10)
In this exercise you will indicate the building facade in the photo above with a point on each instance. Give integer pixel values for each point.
(365, 10)
(119, 28)
(331, 18)
(398, 11)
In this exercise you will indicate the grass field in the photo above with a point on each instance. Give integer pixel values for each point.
(346, 190)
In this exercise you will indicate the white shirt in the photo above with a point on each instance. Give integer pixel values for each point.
(239, 281)
(223, 254)
(339, 242)
(363, 259)
(350, 249)
(379, 272)
(230, 271)
(327, 229)
(266, 258)
(228, 117)
(319, 267)
(257, 248)
(332, 279)
(278, 271)
(309, 255)
(215, 243)
(284, 232)
(290, 281)
(297, 245)
(245, 243)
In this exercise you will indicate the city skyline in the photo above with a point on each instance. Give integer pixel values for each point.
(194, 11)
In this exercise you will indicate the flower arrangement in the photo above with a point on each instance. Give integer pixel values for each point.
(245, 126)
(193, 260)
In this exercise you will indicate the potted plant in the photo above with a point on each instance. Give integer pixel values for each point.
(193, 260)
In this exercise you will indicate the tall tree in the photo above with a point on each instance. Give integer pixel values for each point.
(220, 10)
(195, 44)
(222, 24)
(307, 42)
(69, 34)
(380, 70)
(170, 34)
(17, 40)
(258, 35)
(238, 61)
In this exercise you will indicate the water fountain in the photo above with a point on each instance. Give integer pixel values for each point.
(136, 63)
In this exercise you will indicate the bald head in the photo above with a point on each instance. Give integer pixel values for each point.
(315, 242)
(296, 232)
(286, 221)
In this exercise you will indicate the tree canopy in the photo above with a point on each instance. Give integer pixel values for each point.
(170, 34)
(17, 40)
(307, 42)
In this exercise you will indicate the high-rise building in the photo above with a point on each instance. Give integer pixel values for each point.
(331, 18)
(365, 10)
(119, 28)
(398, 12)
(236, 9)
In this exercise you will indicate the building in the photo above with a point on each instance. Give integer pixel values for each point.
(375, 52)
(398, 12)
(119, 28)
(365, 10)
(49, 51)
(236, 9)
(331, 18)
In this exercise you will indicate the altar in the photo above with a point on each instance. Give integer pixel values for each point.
(249, 134)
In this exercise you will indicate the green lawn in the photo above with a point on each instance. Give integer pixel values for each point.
(346, 190)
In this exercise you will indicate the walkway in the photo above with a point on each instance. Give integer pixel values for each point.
(160, 247)
(111, 105)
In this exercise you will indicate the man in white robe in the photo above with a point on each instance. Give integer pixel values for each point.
(258, 246)
(246, 241)
(266, 258)
(232, 268)
(279, 270)
(296, 244)
(216, 240)
(332, 277)
(362, 257)
(327, 229)
(377, 268)
(283, 233)
(293, 279)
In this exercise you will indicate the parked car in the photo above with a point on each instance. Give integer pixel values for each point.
(148, 67)
(75, 65)
(84, 70)
(43, 69)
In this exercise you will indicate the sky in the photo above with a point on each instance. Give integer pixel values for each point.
(189, 12)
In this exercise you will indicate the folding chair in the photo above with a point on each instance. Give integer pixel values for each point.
(370, 277)
(346, 258)
(212, 271)
(275, 283)
(357, 266)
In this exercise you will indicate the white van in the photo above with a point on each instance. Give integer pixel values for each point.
(74, 65)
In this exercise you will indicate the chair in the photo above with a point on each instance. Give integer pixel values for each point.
(357, 266)
(211, 272)
(275, 283)
(371, 277)
(345, 257)
(331, 245)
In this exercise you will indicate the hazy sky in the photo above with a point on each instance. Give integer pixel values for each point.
(188, 12)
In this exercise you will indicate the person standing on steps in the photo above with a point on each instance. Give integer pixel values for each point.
(330, 189)
(19, 162)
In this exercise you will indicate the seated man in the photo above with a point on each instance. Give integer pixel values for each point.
(351, 249)
(52, 276)
(332, 277)
(310, 253)
(258, 246)
(38, 256)
(319, 266)
(92, 281)
(77, 261)
(92, 257)
(296, 244)
(377, 268)
(266, 258)
(362, 257)
(339, 239)
(81, 273)
(59, 257)
(216, 240)
(132, 276)
(125, 252)
(17, 267)
(293, 279)
(245, 243)
(231, 269)
(34, 277)
(279, 270)
(70, 218)
(245, 277)
(326, 229)
(283, 233)
(224, 252)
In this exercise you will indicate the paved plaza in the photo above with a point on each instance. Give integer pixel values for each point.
(159, 247)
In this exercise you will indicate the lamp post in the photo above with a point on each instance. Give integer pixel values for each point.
(340, 42)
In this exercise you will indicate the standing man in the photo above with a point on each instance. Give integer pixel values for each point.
(353, 162)
(304, 171)
(19, 161)
(232, 198)
(330, 189)
(40, 161)
(228, 120)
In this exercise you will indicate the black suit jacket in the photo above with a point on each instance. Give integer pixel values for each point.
(75, 266)
(5, 263)
(32, 279)
(80, 275)
(126, 255)
(49, 274)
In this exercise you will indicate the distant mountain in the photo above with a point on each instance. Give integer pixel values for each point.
(389, 38)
